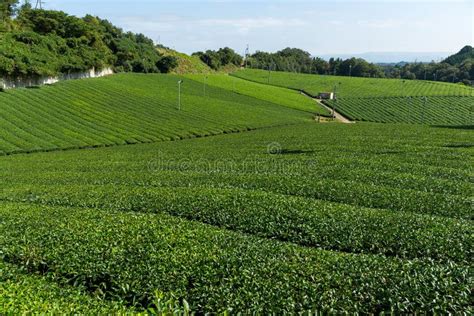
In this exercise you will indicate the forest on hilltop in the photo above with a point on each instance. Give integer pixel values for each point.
(48, 43)
(456, 68)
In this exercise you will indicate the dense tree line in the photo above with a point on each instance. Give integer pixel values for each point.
(47, 43)
(220, 58)
(297, 60)
(456, 68)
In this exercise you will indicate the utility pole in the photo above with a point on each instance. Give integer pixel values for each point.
(425, 100)
(408, 106)
(269, 72)
(247, 54)
(179, 94)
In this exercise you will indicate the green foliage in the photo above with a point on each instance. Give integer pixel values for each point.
(456, 68)
(167, 64)
(381, 100)
(223, 223)
(221, 58)
(32, 294)
(297, 60)
(435, 110)
(467, 52)
(8, 8)
(129, 108)
(277, 95)
(48, 43)
(185, 64)
(355, 87)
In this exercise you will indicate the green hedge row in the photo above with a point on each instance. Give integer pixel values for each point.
(302, 221)
(130, 256)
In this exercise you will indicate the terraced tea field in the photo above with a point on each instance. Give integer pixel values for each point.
(381, 100)
(291, 99)
(354, 87)
(417, 110)
(342, 218)
(131, 108)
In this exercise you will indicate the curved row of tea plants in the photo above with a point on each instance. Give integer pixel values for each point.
(128, 108)
(285, 195)
(303, 221)
(350, 217)
(352, 87)
(277, 95)
(22, 293)
(131, 256)
(381, 100)
(432, 110)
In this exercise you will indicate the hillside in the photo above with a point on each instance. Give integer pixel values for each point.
(286, 97)
(466, 53)
(381, 100)
(351, 87)
(52, 43)
(129, 108)
(186, 64)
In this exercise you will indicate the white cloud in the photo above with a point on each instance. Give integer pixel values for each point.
(390, 23)
(240, 25)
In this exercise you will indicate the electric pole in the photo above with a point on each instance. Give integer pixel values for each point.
(269, 72)
(425, 100)
(179, 94)
(247, 54)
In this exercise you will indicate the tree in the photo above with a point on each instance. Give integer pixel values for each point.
(8, 8)
(167, 64)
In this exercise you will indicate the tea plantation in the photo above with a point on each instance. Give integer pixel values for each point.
(134, 108)
(355, 87)
(381, 100)
(364, 218)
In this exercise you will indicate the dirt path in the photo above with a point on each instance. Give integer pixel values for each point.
(338, 116)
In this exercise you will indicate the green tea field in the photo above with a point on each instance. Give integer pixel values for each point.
(133, 108)
(322, 217)
(195, 158)
(381, 100)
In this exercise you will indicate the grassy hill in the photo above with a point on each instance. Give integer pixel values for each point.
(289, 98)
(129, 108)
(381, 100)
(186, 64)
(351, 87)
(329, 217)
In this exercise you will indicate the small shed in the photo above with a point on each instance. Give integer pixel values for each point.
(326, 96)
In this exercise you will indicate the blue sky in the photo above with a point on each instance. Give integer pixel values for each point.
(320, 27)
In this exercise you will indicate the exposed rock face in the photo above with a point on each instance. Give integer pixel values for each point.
(23, 82)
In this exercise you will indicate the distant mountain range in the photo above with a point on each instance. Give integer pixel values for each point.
(393, 57)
